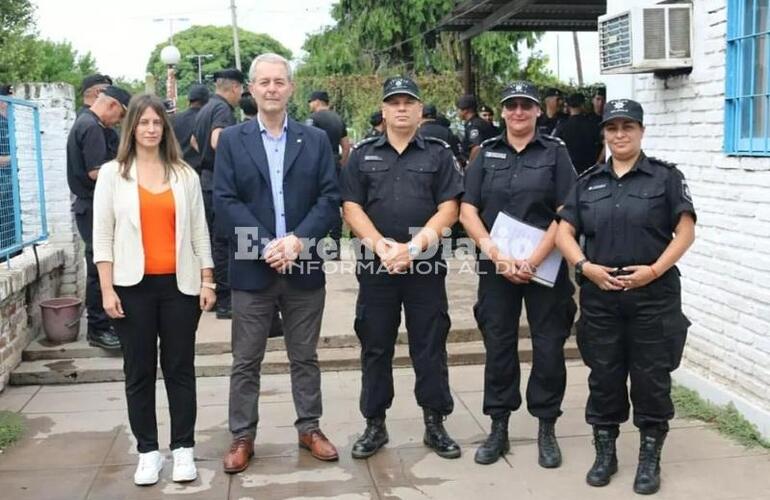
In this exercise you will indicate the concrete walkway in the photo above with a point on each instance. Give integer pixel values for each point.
(78, 445)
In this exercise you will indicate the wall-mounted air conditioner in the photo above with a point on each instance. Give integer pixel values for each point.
(646, 39)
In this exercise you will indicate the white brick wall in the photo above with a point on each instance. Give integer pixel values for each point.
(726, 274)
(56, 102)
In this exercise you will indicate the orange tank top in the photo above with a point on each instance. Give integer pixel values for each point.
(158, 221)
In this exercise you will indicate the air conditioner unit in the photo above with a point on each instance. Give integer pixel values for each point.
(646, 39)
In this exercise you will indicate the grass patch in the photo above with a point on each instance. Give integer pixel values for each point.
(11, 428)
(726, 419)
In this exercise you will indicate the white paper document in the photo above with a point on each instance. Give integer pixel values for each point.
(518, 240)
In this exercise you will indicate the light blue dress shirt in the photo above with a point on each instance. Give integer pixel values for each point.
(275, 148)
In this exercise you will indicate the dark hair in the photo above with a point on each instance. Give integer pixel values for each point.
(248, 104)
(169, 151)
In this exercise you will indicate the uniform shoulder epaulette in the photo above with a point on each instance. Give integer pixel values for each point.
(489, 141)
(660, 162)
(365, 141)
(589, 170)
(430, 138)
(553, 138)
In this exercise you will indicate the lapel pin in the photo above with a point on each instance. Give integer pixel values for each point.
(299, 140)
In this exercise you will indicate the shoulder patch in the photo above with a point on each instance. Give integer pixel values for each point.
(491, 140)
(430, 138)
(365, 141)
(554, 139)
(589, 170)
(660, 162)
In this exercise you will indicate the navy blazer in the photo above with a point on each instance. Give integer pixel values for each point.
(243, 198)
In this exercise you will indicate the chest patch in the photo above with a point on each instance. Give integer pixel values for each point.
(597, 186)
(373, 158)
(492, 154)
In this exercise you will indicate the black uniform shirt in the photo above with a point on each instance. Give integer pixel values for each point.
(546, 125)
(631, 220)
(331, 123)
(89, 145)
(477, 130)
(432, 128)
(217, 113)
(400, 191)
(529, 185)
(582, 135)
(183, 130)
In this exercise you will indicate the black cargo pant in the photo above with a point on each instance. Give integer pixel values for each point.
(550, 313)
(84, 219)
(378, 316)
(220, 245)
(638, 333)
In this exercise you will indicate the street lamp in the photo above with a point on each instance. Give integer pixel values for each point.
(170, 56)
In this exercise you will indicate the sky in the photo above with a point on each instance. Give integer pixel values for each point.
(121, 35)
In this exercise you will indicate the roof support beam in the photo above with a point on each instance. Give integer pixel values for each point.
(501, 14)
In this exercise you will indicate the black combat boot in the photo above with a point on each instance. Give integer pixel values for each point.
(374, 437)
(436, 436)
(647, 479)
(548, 452)
(606, 463)
(496, 445)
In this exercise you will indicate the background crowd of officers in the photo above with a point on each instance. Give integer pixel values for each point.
(411, 170)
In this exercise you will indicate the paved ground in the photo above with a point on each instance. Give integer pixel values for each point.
(78, 446)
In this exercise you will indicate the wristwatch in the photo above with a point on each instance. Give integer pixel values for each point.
(579, 266)
(413, 250)
(208, 284)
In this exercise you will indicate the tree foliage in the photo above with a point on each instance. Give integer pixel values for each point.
(215, 40)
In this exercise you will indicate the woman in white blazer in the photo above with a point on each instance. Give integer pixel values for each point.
(152, 250)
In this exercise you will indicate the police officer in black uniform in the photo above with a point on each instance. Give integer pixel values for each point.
(581, 134)
(528, 176)
(90, 88)
(552, 113)
(477, 130)
(431, 127)
(216, 115)
(90, 144)
(378, 126)
(637, 217)
(184, 122)
(393, 183)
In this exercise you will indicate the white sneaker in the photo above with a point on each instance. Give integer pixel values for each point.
(184, 465)
(148, 468)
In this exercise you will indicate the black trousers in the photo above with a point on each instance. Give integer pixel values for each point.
(84, 219)
(378, 316)
(638, 333)
(220, 244)
(550, 313)
(155, 308)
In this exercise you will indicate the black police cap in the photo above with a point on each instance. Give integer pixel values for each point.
(119, 94)
(375, 119)
(429, 111)
(519, 88)
(467, 101)
(198, 93)
(485, 109)
(623, 108)
(6, 89)
(551, 92)
(576, 100)
(229, 74)
(400, 85)
(96, 79)
(319, 95)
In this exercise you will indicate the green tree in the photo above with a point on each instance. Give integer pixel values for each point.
(216, 40)
(17, 41)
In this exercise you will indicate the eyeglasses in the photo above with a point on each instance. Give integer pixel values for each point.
(524, 104)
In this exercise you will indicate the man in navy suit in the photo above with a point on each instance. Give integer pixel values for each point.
(275, 191)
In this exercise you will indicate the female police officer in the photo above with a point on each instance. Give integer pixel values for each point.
(638, 219)
(527, 175)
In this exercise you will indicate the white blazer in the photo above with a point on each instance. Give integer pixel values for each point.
(117, 233)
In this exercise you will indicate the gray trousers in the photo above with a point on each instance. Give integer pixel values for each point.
(253, 314)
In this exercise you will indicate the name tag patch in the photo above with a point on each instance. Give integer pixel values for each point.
(597, 186)
(492, 154)
(372, 158)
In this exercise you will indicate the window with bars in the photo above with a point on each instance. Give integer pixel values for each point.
(747, 110)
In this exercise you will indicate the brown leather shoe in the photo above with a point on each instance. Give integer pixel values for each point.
(241, 451)
(319, 445)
